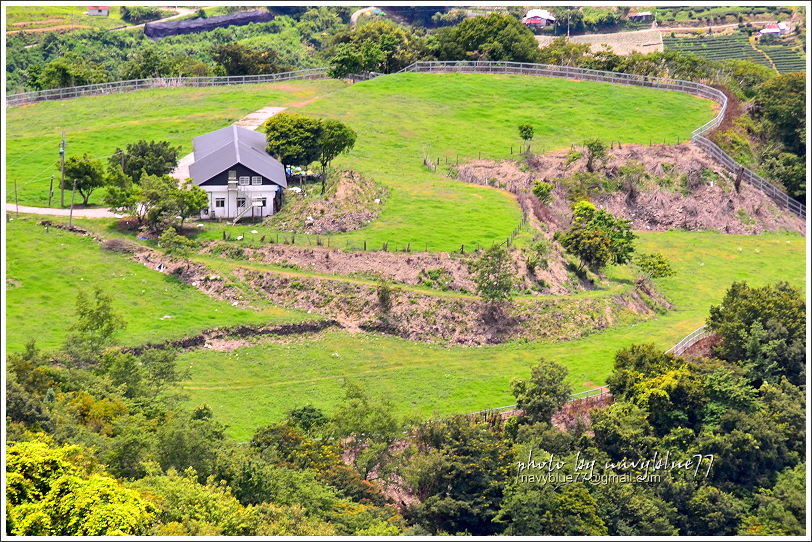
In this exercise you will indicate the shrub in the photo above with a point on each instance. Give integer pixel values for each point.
(543, 191)
(493, 274)
(175, 243)
(655, 265)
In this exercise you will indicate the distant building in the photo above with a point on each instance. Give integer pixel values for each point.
(641, 17)
(538, 18)
(774, 29)
(98, 11)
(241, 178)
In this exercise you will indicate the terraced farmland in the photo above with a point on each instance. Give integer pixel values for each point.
(736, 46)
(785, 59)
(730, 46)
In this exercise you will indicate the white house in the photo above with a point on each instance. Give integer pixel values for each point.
(538, 18)
(774, 29)
(98, 11)
(241, 178)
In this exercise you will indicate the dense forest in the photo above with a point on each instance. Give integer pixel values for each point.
(98, 443)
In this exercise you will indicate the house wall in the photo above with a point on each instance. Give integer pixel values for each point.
(242, 171)
(271, 193)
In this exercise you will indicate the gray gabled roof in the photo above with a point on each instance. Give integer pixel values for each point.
(221, 149)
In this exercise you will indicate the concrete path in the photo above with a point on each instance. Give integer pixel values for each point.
(354, 17)
(252, 121)
(11, 209)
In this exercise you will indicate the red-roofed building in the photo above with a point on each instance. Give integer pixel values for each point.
(98, 11)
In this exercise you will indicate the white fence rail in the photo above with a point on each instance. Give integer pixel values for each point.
(778, 195)
(688, 341)
(158, 82)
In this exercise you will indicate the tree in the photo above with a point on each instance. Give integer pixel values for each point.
(526, 133)
(377, 45)
(539, 510)
(493, 274)
(543, 394)
(763, 330)
(498, 37)
(335, 137)
(597, 238)
(157, 204)
(146, 158)
(85, 173)
(96, 323)
(122, 194)
(595, 152)
(543, 191)
(237, 59)
(293, 139)
(51, 491)
(175, 244)
(71, 70)
(781, 103)
(190, 200)
(655, 265)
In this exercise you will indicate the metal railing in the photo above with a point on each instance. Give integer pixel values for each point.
(580, 396)
(777, 194)
(158, 82)
(689, 340)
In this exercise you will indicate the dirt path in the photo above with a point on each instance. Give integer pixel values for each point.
(78, 213)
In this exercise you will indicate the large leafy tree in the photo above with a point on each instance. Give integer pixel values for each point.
(51, 491)
(494, 274)
(71, 70)
(544, 393)
(495, 37)
(293, 139)
(237, 59)
(334, 139)
(763, 328)
(85, 173)
(781, 103)
(145, 157)
(597, 237)
(379, 45)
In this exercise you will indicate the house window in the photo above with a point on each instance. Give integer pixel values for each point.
(244, 181)
(240, 202)
(220, 202)
(264, 202)
(256, 180)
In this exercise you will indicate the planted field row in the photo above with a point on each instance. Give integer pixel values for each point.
(736, 46)
(785, 59)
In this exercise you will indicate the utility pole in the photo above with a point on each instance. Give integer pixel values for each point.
(72, 197)
(62, 159)
(51, 191)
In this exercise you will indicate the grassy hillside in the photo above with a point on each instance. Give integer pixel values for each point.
(252, 386)
(398, 119)
(34, 17)
(45, 270)
(98, 124)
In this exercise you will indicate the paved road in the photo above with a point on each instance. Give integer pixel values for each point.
(354, 17)
(78, 213)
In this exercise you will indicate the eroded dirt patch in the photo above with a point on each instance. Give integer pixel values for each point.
(349, 204)
(681, 187)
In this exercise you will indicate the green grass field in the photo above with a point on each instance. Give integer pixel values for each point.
(47, 269)
(252, 386)
(398, 119)
(98, 124)
(50, 16)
